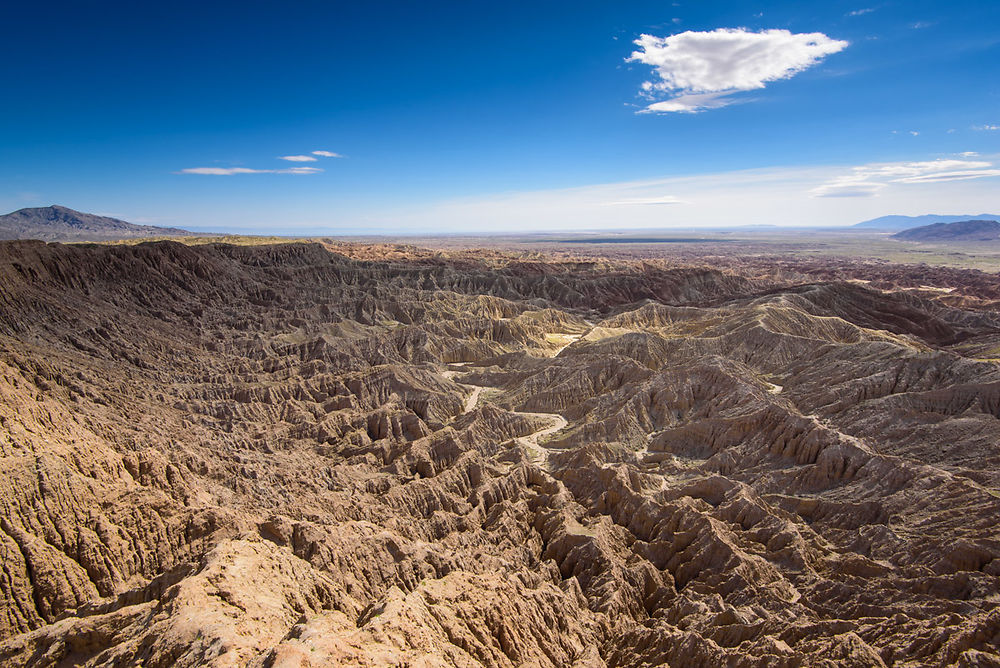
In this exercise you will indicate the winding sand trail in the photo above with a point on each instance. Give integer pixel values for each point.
(473, 399)
(539, 454)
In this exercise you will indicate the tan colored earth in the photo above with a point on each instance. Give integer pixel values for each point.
(372, 455)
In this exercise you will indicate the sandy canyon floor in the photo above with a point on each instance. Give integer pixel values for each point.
(348, 454)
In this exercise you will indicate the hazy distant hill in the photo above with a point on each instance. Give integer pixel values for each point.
(962, 231)
(57, 223)
(908, 222)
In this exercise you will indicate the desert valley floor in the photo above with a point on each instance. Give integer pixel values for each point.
(313, 454)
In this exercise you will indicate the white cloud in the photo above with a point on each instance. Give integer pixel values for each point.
(297, 170)
(986, 127)
(220, 171)
(662, 199)
(861, 12)
(968, 154)
(690, 104)
(230, 171)
(869, 180)
(908, 169)
(960, 175)
(721, 62)
(847, 187)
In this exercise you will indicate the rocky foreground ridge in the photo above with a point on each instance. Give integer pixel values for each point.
(308, 455)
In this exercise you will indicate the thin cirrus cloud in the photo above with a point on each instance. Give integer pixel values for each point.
(869, 180)
(691, 103)
(663, 199)
(698, 71)
(231, 171)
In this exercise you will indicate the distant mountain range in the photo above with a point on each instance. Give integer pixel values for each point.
(961, 232)
(57, 223)
(907, 222)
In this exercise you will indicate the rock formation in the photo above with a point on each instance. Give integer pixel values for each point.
(310, 455)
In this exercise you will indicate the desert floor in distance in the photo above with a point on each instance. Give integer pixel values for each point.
(539, 454)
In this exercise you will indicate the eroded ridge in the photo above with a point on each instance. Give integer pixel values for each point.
(307, 455)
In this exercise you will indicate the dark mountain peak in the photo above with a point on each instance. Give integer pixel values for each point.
(960, 231)
(56, 211)
(60, 223)
(909, 222)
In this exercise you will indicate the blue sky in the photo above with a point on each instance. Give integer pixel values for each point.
(465, 116)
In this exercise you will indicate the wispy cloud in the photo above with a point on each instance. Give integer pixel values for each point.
(869, 180)
(958, 175)
(987, 128)
(299, 157)
(690, 104)
(848, 187)
(230, 171)
(663, 199)
(861, 12)
(697, 71)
